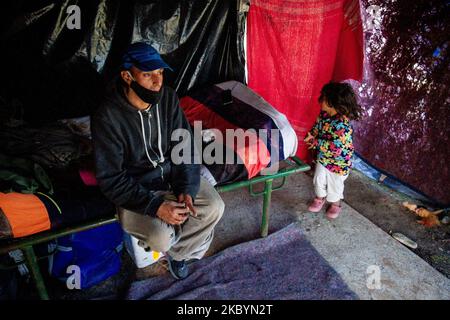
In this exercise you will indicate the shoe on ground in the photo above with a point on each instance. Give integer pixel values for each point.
(316, 205)
(178, 269)
(333, 211)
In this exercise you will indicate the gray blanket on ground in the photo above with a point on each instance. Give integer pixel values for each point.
(281, 266)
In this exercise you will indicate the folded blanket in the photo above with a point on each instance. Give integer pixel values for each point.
(267, 134)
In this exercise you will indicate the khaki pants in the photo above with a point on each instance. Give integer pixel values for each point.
(190, 240)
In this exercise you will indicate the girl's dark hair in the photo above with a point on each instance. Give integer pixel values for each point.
(341, 97)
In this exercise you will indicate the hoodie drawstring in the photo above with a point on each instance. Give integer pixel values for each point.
(161, 159)
(161, 156)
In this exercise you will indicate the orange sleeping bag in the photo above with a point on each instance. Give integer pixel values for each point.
(22, 215)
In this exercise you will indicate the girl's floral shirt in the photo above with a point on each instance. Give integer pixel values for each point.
(334, 143)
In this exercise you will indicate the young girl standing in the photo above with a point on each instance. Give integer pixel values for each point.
(331, 136)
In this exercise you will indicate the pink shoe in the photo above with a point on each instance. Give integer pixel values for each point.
(333, 211)
(316, 205)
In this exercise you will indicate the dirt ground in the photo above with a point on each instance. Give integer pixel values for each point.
(376, 202)
(383, 206)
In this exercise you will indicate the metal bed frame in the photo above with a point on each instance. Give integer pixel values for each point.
(294, 165)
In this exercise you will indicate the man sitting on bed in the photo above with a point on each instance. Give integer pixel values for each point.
(166, 205)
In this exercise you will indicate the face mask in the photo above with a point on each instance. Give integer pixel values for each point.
(148, 96)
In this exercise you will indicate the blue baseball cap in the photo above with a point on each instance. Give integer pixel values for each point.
(144, 57)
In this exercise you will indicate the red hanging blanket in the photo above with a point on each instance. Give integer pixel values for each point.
(295, 47)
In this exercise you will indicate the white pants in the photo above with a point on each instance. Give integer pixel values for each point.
(328, 184)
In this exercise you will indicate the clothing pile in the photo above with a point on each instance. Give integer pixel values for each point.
(41, 186)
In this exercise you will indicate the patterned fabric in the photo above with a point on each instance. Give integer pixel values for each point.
(333, 141)
(233, 105)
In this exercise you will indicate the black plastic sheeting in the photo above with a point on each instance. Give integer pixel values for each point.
(406, 129)
(53, 72)
(50, 72)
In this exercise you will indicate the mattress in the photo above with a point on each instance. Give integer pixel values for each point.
(231, 108)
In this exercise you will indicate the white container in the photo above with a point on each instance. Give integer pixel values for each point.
(140, 257)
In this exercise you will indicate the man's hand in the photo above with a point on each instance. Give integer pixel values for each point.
(173, 212)
(187, 199)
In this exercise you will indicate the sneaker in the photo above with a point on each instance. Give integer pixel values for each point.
(316, 205)
(178, 269)
(333, 211)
